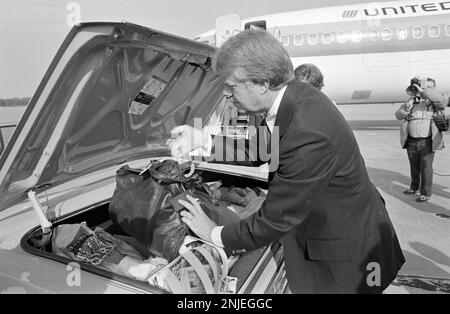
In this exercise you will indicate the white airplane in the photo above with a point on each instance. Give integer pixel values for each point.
(367, 52)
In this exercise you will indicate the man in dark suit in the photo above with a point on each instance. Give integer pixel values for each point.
(332, 221)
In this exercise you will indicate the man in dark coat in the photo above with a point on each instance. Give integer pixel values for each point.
(331, 219)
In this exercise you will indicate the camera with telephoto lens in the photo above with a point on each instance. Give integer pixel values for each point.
(412, 89)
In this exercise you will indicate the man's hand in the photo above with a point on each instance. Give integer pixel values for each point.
(184, 139)
(196, 218)
(237, 195)
(419, 88)
(409, 104)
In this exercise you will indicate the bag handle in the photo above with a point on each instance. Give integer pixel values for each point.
(211, 263)
(183, 167)
(157, 175)
(183, 285)
(198, 267)
(223, 256)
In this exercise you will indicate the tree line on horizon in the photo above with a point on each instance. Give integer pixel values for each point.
(14, 102)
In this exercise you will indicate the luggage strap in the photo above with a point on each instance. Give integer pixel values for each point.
(158, 176)
(198, 267)
(211, 263)
(182, 285)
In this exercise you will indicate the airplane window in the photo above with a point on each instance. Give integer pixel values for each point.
(340, 37)
(402, 33)
(285, 40)
(417, 32)
(433, 31)
(386, 34)
(356, 36)
(313, 39)
(447, 29)
(298, 40)
(327, 38)
(373, 35)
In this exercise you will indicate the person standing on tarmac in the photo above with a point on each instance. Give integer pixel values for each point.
(419, 135)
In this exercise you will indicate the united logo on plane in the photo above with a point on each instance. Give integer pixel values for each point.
(348, 14)
(371, 11)
(408, 9)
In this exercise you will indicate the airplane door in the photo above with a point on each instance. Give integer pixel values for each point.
(256, 25)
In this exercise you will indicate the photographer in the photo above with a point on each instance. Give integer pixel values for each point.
(419, 135)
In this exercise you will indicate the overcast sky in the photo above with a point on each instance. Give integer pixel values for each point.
(31, 31)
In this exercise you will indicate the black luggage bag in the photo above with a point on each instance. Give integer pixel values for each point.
(141, 205)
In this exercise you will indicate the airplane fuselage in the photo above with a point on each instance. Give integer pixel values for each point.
(368, 53)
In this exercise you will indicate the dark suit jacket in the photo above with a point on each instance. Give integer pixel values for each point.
(331, 219)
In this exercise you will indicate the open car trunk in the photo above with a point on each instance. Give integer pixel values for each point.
(258, 271)
(111, 96)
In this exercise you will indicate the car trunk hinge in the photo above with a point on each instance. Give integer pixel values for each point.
(46, 225)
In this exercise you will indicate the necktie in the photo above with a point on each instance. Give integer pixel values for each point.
(265, 135)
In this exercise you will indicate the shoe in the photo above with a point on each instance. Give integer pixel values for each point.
(423, 198)
(409, 191)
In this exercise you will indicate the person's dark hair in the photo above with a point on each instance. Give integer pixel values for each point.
(257, 56)
(309, 73)
(431, 80)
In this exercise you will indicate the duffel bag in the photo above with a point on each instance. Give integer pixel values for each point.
(141, 205)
